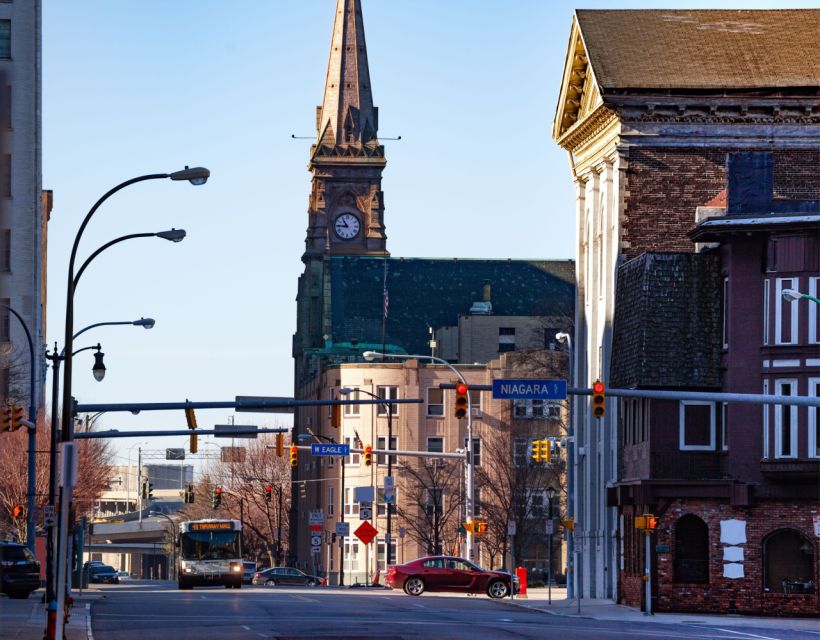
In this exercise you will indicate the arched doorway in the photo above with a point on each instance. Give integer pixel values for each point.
(691, 550)
(788, 562)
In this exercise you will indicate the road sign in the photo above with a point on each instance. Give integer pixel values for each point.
(523, 389)
(342, 529)
(316, 550)
(579, 544)
(315, 540)
(49, 516)
(550, 527)
(363, 494)
(249, 400)
(511, 527)
(229, 430)
(317, 527)
(401, 532)
(366, 532)
(365, 511)
(175, 454)
(316, 516)
(322, 449)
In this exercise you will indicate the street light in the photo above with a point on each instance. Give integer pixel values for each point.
(791, 295)
(196, 176)
(389, 542)
(550, 496)
(470, 460)
(174, 541)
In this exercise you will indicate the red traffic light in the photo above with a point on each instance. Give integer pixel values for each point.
(268, 488)
(461, 388)
(598, 387)
(217, 490)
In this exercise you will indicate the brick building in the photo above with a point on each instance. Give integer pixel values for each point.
(655, 108)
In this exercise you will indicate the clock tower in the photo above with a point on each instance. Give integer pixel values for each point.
(346, 206)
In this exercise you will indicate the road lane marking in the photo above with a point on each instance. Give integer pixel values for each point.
(303, 598)
(246, 627)
(749, 635)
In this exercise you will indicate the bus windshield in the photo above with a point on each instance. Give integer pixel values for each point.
(210, 545)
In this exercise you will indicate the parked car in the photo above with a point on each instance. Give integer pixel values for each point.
(447, 573)
(19, 570)
(285, 575)
(103, 573)
(248, 571)
(123, 575)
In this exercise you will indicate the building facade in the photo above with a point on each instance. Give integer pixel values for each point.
(650, 130)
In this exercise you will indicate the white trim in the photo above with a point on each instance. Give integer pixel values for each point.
(793, 283)
(814, 415)
(724, 426)
(778, 419)
(814, 290)
(786, 363)
(725, 313)
(682, 426)
(766, 312)
(765, 422)
(765, 364)
(813, 362)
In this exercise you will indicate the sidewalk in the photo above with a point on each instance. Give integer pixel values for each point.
(537, 599)
(26, 619)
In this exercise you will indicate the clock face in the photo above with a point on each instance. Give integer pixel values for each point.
(347, 226)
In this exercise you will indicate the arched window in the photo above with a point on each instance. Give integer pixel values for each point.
(691, 550)
(788, 562)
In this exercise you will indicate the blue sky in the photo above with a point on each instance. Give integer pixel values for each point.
(135, 87)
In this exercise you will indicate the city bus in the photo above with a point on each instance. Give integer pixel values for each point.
(210, 553)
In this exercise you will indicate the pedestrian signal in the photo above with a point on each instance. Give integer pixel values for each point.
(268, 493)
(17, 512)
(5, 418)
(461, 403)
(16, 417)
(598, 399)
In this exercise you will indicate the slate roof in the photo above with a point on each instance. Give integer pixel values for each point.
(667, 330)
(702, 49)
(430, 291)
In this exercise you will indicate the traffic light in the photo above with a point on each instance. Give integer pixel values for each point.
(303, 490)
(150, 490)
(189, 494)
(216, 497)
(598, 399)
(647, 522)
(268, 493)
(461, 403)
(280, 444)
(5, 418)
(294, 456)
(190, 418)
(546, 451)
(144, 490)
(336, 416)
(368, 456)
(17, 512)
(479, 527)
(536, 450)
(16, 417)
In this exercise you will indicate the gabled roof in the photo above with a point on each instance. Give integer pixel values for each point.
(434, 292)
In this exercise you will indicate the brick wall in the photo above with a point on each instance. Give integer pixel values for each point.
(665, 185)
(724, 595)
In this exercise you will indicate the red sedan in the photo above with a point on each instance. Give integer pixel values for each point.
(446, 573)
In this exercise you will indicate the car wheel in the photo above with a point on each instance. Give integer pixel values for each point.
(498, 589)
(18, 595)
(270, 583)
(414, 586)
(184, 585)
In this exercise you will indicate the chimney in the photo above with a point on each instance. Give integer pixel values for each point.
(486, 290)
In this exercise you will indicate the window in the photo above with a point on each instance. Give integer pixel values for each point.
(435, 444)
(352, 409)
(388, 393)
(435, 401)
(476, 450)
(788, 562)
(785, 421)
(538, 504)
(5, 39)
(330, 501)
(697, 425)
(537, 409)
(724, 426)
(381, 547)
(351, 442)
(381, 443)
(814, 420)
(520, 451)
(351, 507)
(475, 401)
(351, 554)
(766, 312)
(506, 339)
(814, 316)
(435, 502)
(786, 313)
(5, 320)
(5, 250)
(691, 550)
(725, 309)
(437, 563)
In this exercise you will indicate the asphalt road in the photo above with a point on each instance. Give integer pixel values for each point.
(158, 611)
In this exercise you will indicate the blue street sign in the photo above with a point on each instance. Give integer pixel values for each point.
(530, 389)
(321, 449)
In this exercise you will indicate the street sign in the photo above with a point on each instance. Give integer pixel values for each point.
(511, 527)
(523, 389)
(49, 516)
(579, 544)
(342, 529)
(322, 449)
(550, 527)
(363, 494)
(365, 511)
(316, 516)
(175, 454)
(229, 430)
(401, 532)
(366, 532)
(315, 540)
(249, 400)
(316, 550)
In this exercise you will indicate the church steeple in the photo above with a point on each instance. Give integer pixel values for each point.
(347, 115)
(345, 213)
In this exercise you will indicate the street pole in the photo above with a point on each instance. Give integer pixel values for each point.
(342, 538)
(573, 586)
(549, 562)
(389, 446)
(648, 572)
(139, 484)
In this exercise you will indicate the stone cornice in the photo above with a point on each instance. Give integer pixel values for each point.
(587, 128)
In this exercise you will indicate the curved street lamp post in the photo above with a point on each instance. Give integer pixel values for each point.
(173, 540)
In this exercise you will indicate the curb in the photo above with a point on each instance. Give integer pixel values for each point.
(558, 614)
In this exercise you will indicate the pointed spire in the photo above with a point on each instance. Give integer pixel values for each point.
(347, 115)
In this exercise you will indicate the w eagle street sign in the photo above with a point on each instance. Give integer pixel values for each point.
(524, 389)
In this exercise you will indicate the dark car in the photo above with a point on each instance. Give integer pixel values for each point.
(248, 572)
(103, 573)
(19, 570)
(446, 573)
(285, 575)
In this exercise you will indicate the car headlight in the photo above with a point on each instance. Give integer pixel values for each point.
(236, 568)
